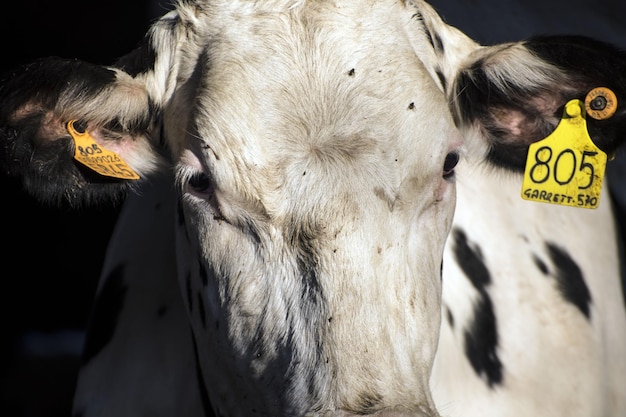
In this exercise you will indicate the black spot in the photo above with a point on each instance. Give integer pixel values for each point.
(429, 37)
(303, 239)
(442, 79)
(351, 72)
(470, 260)
(103, 321)
(570, 280)
(311, 288)
(411, 106)
(540, 264)
(441, 271)
(450, 317)
(368, 402)
(435, 41)
(481, 341)
(438, 44)
(418, 16)
(481, 338)
(201, 311)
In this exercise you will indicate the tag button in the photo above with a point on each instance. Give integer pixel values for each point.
(601, 103)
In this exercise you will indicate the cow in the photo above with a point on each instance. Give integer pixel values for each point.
(324, 214)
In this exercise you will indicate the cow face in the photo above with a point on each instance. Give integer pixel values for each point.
(316, 173)
(314, 150)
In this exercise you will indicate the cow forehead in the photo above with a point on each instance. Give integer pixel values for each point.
(313, 92)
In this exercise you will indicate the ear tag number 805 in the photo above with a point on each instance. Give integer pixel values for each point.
(565, 168)
(97, 158)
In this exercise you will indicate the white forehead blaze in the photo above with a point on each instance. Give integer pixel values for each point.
(291, 110)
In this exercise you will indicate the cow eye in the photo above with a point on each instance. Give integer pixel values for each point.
(200, 182)
(452, 159)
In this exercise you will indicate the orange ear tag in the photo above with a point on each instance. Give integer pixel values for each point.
(601, 103)
(98, 159)
(566, 168)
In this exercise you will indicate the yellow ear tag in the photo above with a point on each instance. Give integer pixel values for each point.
(565, 168)
(95, 157)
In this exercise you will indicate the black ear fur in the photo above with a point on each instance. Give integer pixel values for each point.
(516, 106)
(34, 144)
(592, 64)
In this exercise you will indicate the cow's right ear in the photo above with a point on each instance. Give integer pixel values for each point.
(38, 100)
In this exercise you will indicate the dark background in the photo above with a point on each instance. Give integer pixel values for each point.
(52, 256)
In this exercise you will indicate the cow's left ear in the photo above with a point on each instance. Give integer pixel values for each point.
(38, 100)
(514, 94)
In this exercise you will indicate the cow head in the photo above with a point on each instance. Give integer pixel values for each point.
(313, 146)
